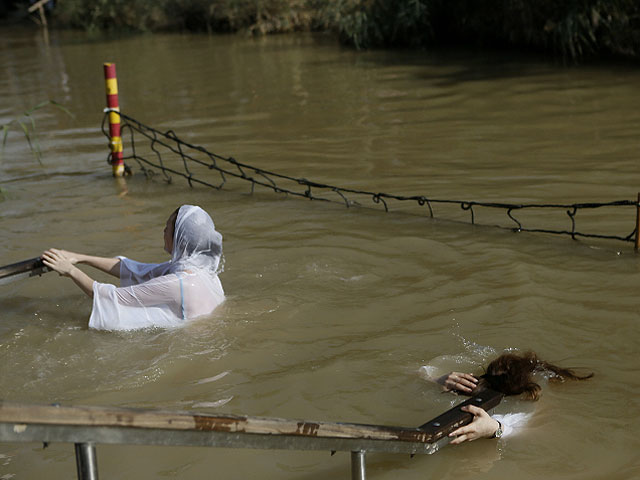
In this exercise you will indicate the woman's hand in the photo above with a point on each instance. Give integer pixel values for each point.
(482, 426)
(462, 382)
(63, 262)
(71, 256)
(60, 261)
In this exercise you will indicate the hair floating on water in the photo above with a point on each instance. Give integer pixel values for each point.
(511, 374)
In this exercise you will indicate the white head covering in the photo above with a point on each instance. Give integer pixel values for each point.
(197, 245)
(149, 297)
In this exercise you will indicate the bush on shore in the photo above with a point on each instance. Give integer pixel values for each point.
(572, 29)
(259, 16)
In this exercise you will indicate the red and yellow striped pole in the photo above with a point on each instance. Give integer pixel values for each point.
(115, 140)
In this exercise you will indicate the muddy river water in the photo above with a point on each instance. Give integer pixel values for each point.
(330, 311)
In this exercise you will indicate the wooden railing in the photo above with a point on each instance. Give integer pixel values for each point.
(88, 426)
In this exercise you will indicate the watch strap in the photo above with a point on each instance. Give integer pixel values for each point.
(498, 433)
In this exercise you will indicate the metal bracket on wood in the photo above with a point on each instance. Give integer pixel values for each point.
(86, 461)
(358, 467)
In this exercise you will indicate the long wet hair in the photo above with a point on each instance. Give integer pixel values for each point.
(512, 374)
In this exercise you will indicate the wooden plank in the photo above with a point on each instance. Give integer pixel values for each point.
(127, 417)
(430, 432)
(19, 433)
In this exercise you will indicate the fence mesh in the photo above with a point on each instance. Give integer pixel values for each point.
(199, 166)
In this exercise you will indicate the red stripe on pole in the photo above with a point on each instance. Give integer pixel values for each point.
(109, 70)
(112, 101)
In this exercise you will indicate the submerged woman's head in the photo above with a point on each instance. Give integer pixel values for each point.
(512, 374)
(192, 239)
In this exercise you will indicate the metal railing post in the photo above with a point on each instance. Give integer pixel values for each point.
(86, 461)
(358, 467)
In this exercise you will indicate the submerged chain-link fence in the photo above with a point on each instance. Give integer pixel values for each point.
(199, 166)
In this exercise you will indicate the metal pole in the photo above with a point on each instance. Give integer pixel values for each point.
(358, 467)
(86, 461)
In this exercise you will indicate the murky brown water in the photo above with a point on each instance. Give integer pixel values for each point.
(330, 311)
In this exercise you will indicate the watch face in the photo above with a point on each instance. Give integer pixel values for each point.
(499, 432)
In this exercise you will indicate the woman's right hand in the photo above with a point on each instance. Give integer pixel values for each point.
(482, 426)
(60, 261)
(457, 381)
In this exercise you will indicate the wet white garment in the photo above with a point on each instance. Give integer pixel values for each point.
(512, 423)
(170, 293)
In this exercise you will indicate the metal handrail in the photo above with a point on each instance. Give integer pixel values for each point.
(88, 426)
(26, 268)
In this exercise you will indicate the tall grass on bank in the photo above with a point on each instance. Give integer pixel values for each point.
(259, 16)
(572, 29)
(372, 23)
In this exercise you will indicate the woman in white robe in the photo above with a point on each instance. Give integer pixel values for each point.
(153, 295)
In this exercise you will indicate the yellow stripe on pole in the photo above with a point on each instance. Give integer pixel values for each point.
(112, 86)
(116, 144)
(118, 170)
(114, 117)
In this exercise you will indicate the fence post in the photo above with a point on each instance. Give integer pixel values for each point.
(39, 6)
(86, 461)
(115, 139)
(638, 223)
(358, 467)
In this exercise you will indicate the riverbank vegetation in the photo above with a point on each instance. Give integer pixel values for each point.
(223, 16)
(572, 29)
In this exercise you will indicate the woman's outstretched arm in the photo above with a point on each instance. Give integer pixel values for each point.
(58, 261)
(106, 264)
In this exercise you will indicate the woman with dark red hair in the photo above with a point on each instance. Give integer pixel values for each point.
(510, 374)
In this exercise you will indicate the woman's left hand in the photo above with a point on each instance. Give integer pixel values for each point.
(458, 381)
(59, 261)
(482, 426)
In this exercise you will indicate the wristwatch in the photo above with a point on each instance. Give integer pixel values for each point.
(498, 433)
